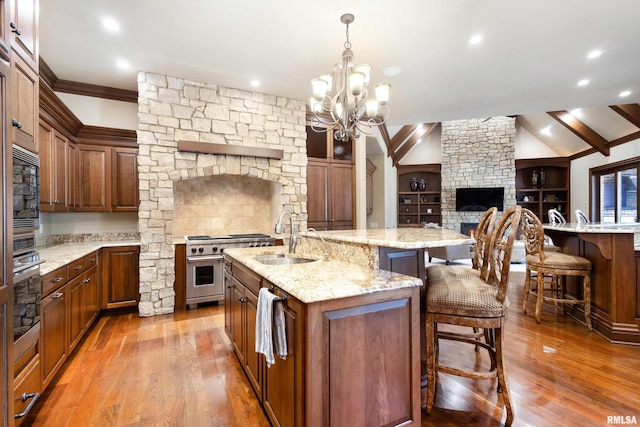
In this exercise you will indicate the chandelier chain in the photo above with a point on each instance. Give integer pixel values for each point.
(347, 43)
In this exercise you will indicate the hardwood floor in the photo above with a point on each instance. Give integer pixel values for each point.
(180, 370)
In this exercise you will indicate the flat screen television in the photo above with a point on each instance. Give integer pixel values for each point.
(479, 199)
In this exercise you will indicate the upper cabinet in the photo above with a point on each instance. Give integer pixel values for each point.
(419, 195)
(543, 184)
(24, 104)
(330, 182)
(124, 180)
(23, 26)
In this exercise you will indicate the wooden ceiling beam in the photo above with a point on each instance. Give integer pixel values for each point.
(581, 130)
(400, 137)
(631, 112)
(421, 131)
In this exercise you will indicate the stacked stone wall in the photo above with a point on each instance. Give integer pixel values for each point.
(172, 109)
(476, 153)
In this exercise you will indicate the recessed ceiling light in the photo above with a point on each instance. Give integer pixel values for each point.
(583, 82)
(391, 71)
(594, 54)
(546, 131)
(625, 93)
(255, 83)
(475, 39)
(121, 63)
(111, 25)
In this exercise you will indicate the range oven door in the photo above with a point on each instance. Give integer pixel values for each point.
(205, 277)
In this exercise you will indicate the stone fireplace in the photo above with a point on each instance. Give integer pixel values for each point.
(192, 193)
(476, 153)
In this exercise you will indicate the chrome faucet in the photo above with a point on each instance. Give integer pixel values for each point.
(325, 254)
(292, 237)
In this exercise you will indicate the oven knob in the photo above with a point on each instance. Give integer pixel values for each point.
(221, 250)
(214, 249)
(200, 249)
(193, 250)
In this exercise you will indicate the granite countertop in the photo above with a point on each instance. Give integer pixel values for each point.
(633, 227)
(321, 280)
(56, 256)
(403, 238)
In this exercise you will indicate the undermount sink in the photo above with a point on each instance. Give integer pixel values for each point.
(281, 259)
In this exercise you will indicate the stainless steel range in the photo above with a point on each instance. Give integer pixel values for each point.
(205, 278)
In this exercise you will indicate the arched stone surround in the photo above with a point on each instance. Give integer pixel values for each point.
(172, 109)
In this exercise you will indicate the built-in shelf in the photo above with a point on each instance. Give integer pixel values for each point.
(419, 207)
(546, 193)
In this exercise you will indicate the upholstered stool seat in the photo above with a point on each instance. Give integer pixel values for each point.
(464, 297)
(559, 261)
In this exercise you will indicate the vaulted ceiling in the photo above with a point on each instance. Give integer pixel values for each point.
(529, 62)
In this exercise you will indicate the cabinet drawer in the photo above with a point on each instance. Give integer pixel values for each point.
(53, 280)
(76, 267)
(27, 390)
(250, 279)
(90, 260)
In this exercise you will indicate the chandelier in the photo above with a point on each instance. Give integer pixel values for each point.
(341, 99)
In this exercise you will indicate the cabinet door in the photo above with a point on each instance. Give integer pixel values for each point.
(341, 196)
(53, 333)
(46, 154)
(92, 296)
(24, 104)
(237, 303)
(124, 188)
(94, 177)
(228, 295)
(283, 390)
(76, 311)
(72, 177)
(120, 277)
(60, 168)
(317, 195)
(254, 362)
(24, 27)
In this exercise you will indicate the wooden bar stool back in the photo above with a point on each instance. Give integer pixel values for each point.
(555, 264)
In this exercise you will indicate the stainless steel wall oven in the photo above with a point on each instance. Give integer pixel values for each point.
(26, 181)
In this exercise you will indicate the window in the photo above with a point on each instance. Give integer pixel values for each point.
(615, 192)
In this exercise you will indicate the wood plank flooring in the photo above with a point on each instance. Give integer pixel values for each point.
(180, 370)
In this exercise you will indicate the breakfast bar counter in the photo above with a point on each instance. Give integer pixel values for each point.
(614, 252)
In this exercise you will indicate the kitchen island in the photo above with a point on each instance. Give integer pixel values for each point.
(614, 251)
(352, 334)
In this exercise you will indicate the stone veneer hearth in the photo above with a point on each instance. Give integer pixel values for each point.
(476, 153)
(172, 109)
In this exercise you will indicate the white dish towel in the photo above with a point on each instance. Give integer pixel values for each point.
(270, 327)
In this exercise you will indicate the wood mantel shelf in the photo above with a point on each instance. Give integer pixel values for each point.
(232, 150)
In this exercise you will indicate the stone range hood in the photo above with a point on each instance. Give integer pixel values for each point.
(171, 110)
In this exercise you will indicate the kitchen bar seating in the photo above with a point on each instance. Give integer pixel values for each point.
(551, 263)
(480, 263)
(473, 302)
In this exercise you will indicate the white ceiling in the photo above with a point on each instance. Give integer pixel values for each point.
(532, 55)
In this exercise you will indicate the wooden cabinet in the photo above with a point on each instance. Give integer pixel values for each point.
(330, 188)
(24, 30)
(550, 189)
(54, 330)
(24, 104)
(108, 179)
(27, 384)
(55, 154)
(284, 380)
(242, 287)
(120, 276)
(420, 205)
(83, 293)
(330, 182)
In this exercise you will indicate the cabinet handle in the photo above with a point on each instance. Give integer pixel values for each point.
(57, 280)
(14, 28)
(241, 299)
(78, 267)
(57, 295)
(229, 286)
(92, 260)
(34, 397)
(87, 280)
(16, 123)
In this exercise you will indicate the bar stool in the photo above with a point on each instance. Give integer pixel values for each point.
(545, 264)
(581, 218)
